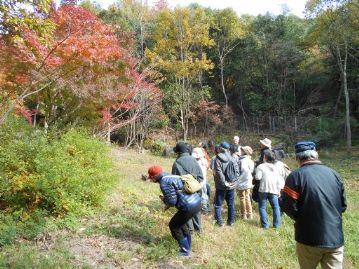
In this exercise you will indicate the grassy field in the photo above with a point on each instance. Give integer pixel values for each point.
(131, 230)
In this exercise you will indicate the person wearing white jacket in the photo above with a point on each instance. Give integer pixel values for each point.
(271, 183)
(198, 154)
(244, 187)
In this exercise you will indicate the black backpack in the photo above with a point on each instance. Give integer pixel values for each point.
(231, 171)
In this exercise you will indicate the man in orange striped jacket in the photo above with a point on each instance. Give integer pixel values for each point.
(314, 197)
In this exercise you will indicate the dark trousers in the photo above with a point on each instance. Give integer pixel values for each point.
(178, 223)
(219, 197)
(195, 223)
(208, 191)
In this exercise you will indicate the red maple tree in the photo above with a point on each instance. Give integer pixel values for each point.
(82, 67)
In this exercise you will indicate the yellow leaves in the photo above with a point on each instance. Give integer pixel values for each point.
(21, 181)
(180, 36)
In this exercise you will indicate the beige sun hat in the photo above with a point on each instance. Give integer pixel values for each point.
(266, 142)
(247, 150)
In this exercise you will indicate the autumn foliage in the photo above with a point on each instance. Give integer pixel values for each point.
(80, 72)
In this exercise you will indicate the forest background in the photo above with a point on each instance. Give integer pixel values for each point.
(191, 71)
(74, 76)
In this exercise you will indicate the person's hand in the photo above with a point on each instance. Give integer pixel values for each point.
(230, 185)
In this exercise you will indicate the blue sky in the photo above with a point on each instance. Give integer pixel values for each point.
(252, 7)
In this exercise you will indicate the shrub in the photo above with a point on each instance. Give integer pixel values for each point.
(327, 131)
(156, 146)
(59, 176)
(7, 230)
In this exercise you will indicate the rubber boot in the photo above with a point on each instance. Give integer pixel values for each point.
(184, 247)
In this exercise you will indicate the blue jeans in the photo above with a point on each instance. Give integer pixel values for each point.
(219, 197)
(262, 204)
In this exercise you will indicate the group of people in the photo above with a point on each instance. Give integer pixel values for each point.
(312, 195)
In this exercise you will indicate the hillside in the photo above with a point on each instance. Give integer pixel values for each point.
(130, 231)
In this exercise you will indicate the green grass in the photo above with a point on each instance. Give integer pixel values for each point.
(131, 230)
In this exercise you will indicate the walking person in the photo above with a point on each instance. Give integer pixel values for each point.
(270, 184)
(244, 186)
(226, 177)
(314, 197)
(188, 205)
(187, 164)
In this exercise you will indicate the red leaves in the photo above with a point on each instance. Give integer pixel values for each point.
(25, 112)
(83, 58)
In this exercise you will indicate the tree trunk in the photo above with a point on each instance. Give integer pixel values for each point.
(343, 68)
(221, 65)
(347, 103)
(108, 140)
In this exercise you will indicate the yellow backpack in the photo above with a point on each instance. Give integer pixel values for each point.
(190, 184)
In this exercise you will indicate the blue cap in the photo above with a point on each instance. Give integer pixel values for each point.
(225, 145)
(304, 145)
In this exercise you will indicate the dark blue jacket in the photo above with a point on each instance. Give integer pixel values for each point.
(171, 187)
(314, 197)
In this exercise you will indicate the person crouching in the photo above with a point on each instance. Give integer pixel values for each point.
(187, 204)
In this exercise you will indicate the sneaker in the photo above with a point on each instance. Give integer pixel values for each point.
(182, 253)
(230, 224)
(218, 224)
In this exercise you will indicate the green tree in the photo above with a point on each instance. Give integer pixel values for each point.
(132, 16)
(226, 30)
(179, 39)
(335, 29)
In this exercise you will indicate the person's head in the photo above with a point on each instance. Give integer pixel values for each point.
(306, 151)
(217, 149)
(181, 147)
(265, 143)
(224, 146)
(279, 154)
(268, 156)
(234, 149)
(153, 172)
(203, 145)
(236, 140)
(247, 150)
